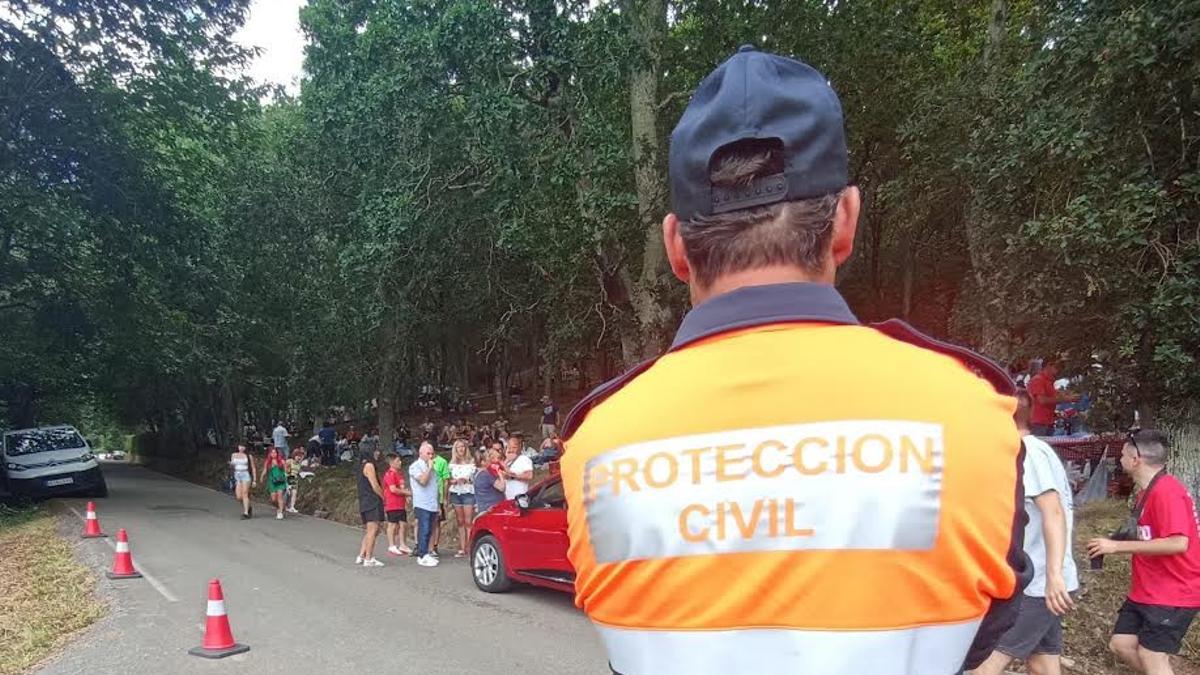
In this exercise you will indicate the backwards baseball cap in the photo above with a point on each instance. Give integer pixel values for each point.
(758, 96)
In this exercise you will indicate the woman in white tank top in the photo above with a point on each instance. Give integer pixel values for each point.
(245, 477)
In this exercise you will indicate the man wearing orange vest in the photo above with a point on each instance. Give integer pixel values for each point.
(787, 490)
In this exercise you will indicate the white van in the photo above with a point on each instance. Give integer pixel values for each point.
(49, 461)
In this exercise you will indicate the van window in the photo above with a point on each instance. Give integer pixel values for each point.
(41, 440)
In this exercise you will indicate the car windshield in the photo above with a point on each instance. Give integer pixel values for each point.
(552, 496)
(41, 440)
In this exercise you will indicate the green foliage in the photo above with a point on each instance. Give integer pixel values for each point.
(451, 200)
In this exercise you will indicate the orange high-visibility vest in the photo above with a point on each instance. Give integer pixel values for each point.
(788, 491)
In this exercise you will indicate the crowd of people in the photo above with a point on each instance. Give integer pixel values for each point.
(487, 464)
(464, 486)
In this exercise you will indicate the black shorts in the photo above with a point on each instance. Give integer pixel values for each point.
(372, 515)
(1158, 628)
(1037, 631)
(397, 516)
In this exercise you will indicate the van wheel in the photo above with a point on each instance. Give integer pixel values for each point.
(101, 490)
(487, 566)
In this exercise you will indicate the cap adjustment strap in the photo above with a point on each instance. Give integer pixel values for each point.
(760, 191)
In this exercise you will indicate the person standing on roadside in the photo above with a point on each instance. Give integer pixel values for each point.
(245, 477)
(1161, 535)
(1046, 397)
(850, 496)
(328, 439)
(518, 468)
(370, 507)
(423, 483)
(549, 418)
(279, 438)
(394, 504)
(462, 492)
(1037, 637)
(441, 471)
(489, 481)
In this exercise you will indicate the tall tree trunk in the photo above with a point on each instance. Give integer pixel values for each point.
(648, 21)
(979, 223)
(385, 400)
(231, 418)
(997, 26)
(1148, 392)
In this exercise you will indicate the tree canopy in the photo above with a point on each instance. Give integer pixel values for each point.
(466, 195)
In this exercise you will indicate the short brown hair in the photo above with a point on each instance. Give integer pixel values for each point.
(785, 233)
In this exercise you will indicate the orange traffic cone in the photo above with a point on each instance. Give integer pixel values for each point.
(218, 638)
(91, 524)
(123, 560)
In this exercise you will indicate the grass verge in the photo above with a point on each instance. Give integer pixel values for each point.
(45, 594)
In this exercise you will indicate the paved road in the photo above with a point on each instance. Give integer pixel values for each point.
(295, 597)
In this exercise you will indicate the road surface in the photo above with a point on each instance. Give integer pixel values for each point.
(294, 595)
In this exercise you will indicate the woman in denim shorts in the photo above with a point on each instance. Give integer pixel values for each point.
(462, 492)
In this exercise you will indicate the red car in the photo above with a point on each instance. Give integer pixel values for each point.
(524, 540)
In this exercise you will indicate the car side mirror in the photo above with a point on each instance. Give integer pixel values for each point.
(523, 502)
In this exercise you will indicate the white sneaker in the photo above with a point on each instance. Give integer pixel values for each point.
(371, 562)
(404, 550)
(279, 516)
(427, 561)
(394, 551)
(292, 511)
(358, 560)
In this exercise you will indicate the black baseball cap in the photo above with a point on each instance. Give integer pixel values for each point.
(756, 95)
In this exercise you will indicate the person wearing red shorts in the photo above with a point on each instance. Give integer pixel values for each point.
(1164, 593)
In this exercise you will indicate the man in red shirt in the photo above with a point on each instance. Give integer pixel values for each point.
(1045, 397)
(1164, 593)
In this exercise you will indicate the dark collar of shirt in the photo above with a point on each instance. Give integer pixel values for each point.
(761, 305)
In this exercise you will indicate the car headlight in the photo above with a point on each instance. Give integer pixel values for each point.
(14, 467)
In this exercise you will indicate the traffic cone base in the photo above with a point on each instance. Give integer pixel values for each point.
(131, 575)
(219, 653)
(91, 524)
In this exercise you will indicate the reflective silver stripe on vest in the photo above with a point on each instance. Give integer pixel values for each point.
(837, 485)
(929, 650)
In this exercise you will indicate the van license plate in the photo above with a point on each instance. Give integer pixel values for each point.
(59, 481)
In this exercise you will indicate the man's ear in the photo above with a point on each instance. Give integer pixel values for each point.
(676, 253)
(845, 224)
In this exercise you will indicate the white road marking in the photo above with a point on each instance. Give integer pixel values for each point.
(158, 585)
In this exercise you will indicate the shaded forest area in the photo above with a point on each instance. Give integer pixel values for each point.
(466, 195)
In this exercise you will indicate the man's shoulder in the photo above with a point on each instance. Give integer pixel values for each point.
(1033, 444)
(975, 363)
(1040, 383)
(1168, 488)
(599, 394)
